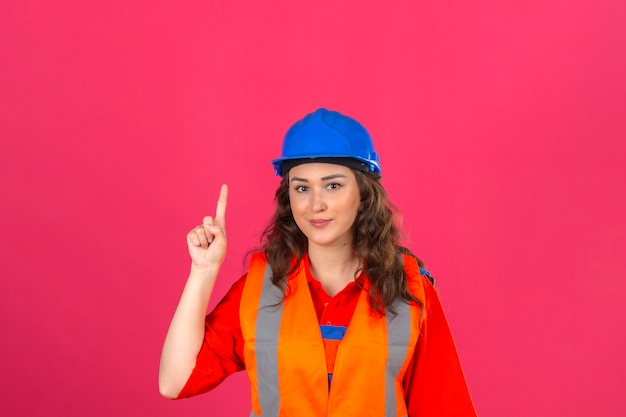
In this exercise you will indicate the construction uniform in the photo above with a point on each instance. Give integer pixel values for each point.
(313, 355)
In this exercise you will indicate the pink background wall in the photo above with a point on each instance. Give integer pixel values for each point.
(502, 130)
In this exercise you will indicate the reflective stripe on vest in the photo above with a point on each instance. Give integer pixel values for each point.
(286, 361)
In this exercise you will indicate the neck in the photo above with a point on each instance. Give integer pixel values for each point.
(333, 267)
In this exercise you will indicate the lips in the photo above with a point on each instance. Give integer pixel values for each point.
(319, 222)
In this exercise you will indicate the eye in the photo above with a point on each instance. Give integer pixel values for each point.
(300, 189)
(334, 186)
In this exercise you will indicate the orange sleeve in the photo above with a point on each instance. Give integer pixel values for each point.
(221, 353)
(434, 382)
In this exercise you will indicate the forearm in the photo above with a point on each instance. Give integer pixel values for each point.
(186, 332)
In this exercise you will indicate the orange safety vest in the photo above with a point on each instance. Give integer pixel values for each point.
(285, 358)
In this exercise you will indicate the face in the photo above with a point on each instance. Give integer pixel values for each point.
(324, 200)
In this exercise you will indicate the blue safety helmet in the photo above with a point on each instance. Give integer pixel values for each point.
(327, 136)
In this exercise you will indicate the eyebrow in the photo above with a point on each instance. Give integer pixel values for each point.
(326, 178)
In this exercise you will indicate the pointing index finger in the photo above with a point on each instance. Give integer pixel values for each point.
(220, 211)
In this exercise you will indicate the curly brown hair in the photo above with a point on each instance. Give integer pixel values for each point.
(376, 242)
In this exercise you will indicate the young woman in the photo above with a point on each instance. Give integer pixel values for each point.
(334, 317)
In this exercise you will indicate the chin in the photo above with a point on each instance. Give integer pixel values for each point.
(330, 241)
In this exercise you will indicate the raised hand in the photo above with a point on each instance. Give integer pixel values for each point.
(207, 242)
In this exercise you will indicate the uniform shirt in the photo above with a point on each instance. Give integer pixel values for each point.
(433, 384)
(221, 353)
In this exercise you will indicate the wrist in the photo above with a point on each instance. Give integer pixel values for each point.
(203, 270)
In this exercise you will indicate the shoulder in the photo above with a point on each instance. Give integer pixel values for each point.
(415, 269)
(419, 281)
(256, 256)
(256, 262)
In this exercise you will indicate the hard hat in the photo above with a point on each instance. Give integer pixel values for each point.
(327, 136)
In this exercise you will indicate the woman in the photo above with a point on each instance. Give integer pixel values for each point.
(334, 317)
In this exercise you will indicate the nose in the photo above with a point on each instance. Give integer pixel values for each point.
(317, 201)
